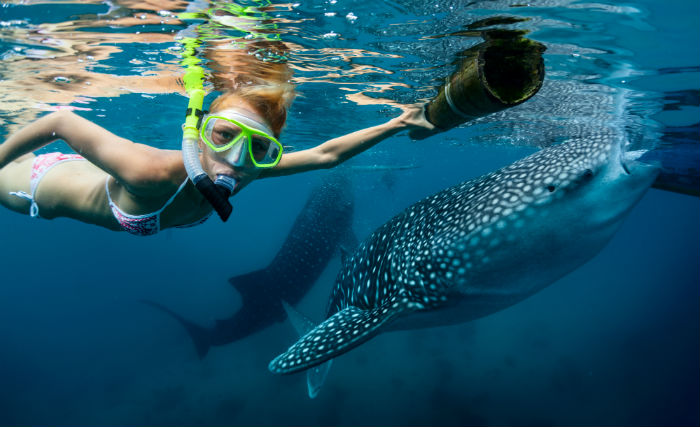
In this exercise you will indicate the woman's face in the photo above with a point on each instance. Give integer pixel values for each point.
(215, 164)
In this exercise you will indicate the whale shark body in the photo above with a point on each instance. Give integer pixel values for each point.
(320, 229)
(476, 248)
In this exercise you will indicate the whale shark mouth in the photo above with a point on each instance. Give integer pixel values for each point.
(625, 168)
(638, 169)
(631, 158)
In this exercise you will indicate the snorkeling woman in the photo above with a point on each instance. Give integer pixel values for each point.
(123, 185)
(126, 186)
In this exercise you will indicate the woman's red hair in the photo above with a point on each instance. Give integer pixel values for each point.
(269, 101)
(241, 76)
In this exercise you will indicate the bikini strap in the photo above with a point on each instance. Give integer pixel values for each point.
(34, 208)
(170, 200)
(109, 198)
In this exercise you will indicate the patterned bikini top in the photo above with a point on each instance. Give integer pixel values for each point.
(146, 224)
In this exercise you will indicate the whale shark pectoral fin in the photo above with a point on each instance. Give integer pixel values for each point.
(338, 334)
(301, 323)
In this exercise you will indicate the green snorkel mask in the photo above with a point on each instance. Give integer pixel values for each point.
(240, 140)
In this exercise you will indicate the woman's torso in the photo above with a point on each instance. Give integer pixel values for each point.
(76, 189)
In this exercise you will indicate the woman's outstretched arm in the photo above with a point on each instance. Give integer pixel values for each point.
(137, 166)
(337, 150)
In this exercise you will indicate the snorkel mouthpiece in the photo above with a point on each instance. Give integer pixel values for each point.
(217, 195)
(225, 182)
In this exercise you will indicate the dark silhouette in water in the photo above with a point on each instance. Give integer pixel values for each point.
(678, 155)
(322, 226)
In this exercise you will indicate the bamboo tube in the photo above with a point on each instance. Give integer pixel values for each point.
(502, 72)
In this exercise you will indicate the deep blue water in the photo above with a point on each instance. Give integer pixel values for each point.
(614, 343)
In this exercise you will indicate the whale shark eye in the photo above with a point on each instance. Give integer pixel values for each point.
(588, 174)
(551, 188)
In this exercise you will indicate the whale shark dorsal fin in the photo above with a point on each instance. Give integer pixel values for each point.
(344, 255)
(339, 333)
(349, 241)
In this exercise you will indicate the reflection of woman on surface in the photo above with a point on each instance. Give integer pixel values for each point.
(122, 185)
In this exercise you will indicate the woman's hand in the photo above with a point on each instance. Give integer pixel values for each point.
(413, 119)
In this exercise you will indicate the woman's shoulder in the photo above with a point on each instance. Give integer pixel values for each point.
(163, 171)
(173, 164)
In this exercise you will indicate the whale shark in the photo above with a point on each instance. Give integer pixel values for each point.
(321, 228)
(476, 248)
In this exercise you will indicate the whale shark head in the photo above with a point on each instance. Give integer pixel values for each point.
(529, 223)
(591, 181)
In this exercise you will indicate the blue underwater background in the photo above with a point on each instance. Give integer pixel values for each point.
(614, 343)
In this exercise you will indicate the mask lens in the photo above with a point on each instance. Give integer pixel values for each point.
(233, 139)
(259, 147)
(222, 134)
(274, 152)
(264, 151)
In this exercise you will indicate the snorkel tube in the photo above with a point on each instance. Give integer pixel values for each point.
(216, 193)
(248, 20)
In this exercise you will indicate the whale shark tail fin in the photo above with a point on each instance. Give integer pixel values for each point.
(338, 334)
(198, 334)
(316, 376)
